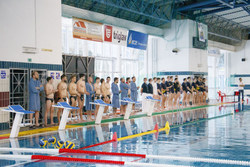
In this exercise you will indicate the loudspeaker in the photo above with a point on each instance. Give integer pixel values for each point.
(243, 59)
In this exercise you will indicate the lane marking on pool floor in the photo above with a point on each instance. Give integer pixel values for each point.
(100, 153)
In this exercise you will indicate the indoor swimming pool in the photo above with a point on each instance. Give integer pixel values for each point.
(213, 132)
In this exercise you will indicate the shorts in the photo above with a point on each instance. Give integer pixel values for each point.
(82, 97)
(64, 99)
(97, 96)
(70, 101)
(176, 91)
(103, 98)
(51, 99)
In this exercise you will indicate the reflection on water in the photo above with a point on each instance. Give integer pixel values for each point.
(224, 137)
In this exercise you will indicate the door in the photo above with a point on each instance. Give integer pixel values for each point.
(18, 89)
(78, 65)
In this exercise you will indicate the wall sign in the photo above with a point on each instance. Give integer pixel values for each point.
(3, 74)
(115, 35)
(201, 31)
(107, 33)
(137, 40)
(84, 29)
(58, 75)
(52, 75)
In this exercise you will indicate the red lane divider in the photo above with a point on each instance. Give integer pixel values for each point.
(4, 137)
(101, 153)
(114, 139)
(44, 157)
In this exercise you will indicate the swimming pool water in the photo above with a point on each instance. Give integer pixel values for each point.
(212, 132)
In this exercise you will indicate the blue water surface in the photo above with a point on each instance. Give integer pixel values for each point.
(212, 132)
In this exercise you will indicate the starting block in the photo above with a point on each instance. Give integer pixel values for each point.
(150, 104)
(19, 111)
(102, 105)
(66, 109)
(129, 108)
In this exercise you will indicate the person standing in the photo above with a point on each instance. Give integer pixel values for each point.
(73, 94)
(189, 88)
(134, 90)
(81, 87)
(128, 81)
(107, 93)
(194, 92)
(177, 92)
(171, 92)
(164, 93)
(35, 87)
(144, 92)
(184, 92)
(97, 87)
(62, 94)
(90, 95)
(155, 92)
(150, 87)
(167, 90)
(115, 98)
(159, 91)
(241, 86)
(49, 91)
(124, 94)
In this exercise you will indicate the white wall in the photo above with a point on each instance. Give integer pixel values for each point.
(198, 60)
(237, 66)
(175, 37)
(180, 36)
(32, 23)
(239, 69)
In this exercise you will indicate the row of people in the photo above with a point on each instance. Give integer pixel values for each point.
(81, 93)
(169, 91)
(76, 91)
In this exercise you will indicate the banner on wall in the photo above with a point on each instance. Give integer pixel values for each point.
(201, 31)
(88, 30)
(115, 35)
(137, 40)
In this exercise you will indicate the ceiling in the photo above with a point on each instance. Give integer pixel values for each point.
(228, 20)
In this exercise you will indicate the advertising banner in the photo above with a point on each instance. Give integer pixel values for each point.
(88, 30)
(201, 31)
(137, 40)
(115, 35)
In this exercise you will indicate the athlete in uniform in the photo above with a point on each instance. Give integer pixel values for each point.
(159, 91)
(204, 90)
(73, 94)
(189, 88)
(49, 91)
(107, 93)
(194, 92)
(176, 91)
(97, 88)
(171, 92)
(164, 93)
(62, 93)
(184, 91)
(200, 90)
(81, 88)
(167, 90)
